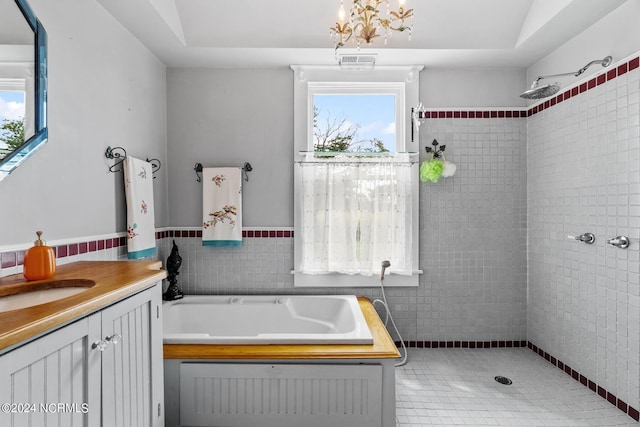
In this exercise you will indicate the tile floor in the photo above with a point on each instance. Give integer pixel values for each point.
(456, 387)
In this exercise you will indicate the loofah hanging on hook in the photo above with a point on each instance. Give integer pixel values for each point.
(449, 169)
(431, 170)
(438, 166)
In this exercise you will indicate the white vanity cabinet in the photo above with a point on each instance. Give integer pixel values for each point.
(104, 369)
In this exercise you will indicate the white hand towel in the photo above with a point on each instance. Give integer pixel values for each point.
(141, 229)
(222, 206)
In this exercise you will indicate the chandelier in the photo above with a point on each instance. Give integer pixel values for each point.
(366, 22)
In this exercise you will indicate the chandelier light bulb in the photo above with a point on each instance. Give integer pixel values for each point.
(341, 14)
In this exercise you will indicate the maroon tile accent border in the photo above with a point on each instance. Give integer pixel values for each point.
(509, 114)
(16, 258)
(610, 397)
(464, 344)
(567, 94)
(246, 234)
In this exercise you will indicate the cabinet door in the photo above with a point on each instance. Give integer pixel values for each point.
(50, 381)
(132, 390)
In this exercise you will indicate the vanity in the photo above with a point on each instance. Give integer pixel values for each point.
(92, 355)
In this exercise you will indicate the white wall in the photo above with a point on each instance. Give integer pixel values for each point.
(226, 117)
(617, 34)
(105, 89)
(482, 87)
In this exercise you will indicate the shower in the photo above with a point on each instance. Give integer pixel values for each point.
(539, 92)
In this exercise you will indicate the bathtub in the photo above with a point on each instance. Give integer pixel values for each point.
(204, 319)
(227, 362)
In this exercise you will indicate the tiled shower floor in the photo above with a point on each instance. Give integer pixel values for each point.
(456, 387)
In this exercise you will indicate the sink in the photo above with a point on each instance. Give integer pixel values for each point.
(30, 294)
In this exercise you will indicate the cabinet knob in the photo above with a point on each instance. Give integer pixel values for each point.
(113, 339)
(99, 345)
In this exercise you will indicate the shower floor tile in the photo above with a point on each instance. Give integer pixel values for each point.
(456, 387)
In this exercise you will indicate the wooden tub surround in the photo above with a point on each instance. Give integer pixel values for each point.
(106, 281)
(271, 385)
(383, 346)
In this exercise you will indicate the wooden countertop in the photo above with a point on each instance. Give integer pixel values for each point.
(382, 347)
(114, 280)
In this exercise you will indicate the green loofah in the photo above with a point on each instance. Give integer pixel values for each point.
(431, 170)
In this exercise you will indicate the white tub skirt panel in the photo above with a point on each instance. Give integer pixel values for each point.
(280, 395)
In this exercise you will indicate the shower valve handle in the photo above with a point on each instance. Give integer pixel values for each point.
(621, 241)
(587, 238)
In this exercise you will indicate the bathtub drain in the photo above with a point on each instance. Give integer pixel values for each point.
(503, 380)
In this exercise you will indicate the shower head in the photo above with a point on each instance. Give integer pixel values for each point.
(539, 92)
(385, 264)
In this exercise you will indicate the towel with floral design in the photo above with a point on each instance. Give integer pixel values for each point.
(222, 207)
(141, 229)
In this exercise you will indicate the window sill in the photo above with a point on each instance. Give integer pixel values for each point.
(302, 280)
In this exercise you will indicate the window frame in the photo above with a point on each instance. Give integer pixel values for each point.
(311, 80)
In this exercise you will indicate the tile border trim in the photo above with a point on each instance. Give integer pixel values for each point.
(15, 258)
(247, 233)
(464, 344)
(602, 392)
(599, 79)
(524, 112)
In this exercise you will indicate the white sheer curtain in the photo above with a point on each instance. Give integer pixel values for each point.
(356, 212)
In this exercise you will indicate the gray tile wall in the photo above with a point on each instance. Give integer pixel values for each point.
(472, 244)
(473, 233)
(584, 176)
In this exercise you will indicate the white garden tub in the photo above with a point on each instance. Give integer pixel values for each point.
(204, 319)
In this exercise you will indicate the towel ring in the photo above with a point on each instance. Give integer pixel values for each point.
(245, 171)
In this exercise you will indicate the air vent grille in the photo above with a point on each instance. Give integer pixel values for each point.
(357, 62)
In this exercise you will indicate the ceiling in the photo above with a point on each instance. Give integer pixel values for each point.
(273, 33)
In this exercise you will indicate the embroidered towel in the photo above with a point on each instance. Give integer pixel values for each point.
(141, 229)
(222, 206)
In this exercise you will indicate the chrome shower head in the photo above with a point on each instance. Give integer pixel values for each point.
(539, 92)
(385, 264)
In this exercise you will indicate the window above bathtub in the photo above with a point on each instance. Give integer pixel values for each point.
(356, 118)
(355, 185)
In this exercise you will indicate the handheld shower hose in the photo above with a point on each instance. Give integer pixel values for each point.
(388, 316)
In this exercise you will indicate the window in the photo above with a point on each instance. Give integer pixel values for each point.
(12, 120)
(355, 123)
(356, 198)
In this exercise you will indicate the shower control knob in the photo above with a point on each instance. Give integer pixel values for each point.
(621, 241)
(587, 238)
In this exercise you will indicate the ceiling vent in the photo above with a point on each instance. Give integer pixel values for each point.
(357, 62)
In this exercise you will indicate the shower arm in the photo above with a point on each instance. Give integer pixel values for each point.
(604, 62)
